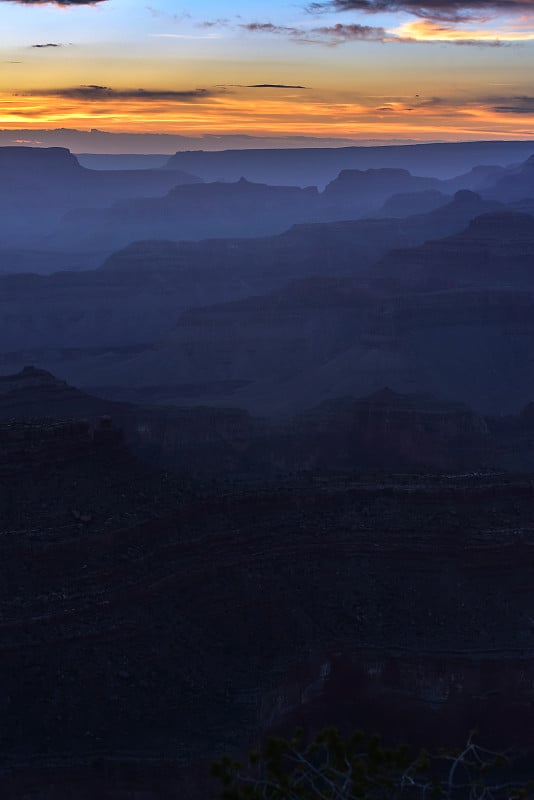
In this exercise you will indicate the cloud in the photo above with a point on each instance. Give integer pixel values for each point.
(442, 107)
(439, 21)
(350, 33)
(62, 3)
(331, 35)
(439, 10)
(268, 27)
(103, 93)
(418, 31)
(522, 104)
(267, 86)
(222, 22)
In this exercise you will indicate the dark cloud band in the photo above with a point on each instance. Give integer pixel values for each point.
(521, 104)
(268, 86)
(444, 10)
(100, 93)
(54, 2)
(325, 34)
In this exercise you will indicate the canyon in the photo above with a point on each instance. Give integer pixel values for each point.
(266, 457)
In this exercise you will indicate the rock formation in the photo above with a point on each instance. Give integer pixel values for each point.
(303, 167)
(355, 193)
(494, 251)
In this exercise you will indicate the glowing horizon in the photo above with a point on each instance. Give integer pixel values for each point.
(334, 69)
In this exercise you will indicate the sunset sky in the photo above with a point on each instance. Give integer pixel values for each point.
(340, 68)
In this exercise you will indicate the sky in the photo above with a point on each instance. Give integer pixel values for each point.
(351, 69)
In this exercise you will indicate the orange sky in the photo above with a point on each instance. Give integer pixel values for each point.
(294, 112)
(463, 75)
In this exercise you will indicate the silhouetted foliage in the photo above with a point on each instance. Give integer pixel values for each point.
(358, 767)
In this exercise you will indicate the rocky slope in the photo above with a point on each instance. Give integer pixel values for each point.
(140, 292)
(143, 651)
(406, 204)
(324, 338)
(196, 211)
(516, 184)
(383, 431)
(39, 185)
(495, 250)
(472, 345)
(270, 336)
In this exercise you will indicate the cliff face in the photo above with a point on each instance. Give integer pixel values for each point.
(204, 441)
(385, 432)
(357, 192)
(37, 177)
(17, 162)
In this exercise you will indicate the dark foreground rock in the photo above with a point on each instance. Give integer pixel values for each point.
(136, 652)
